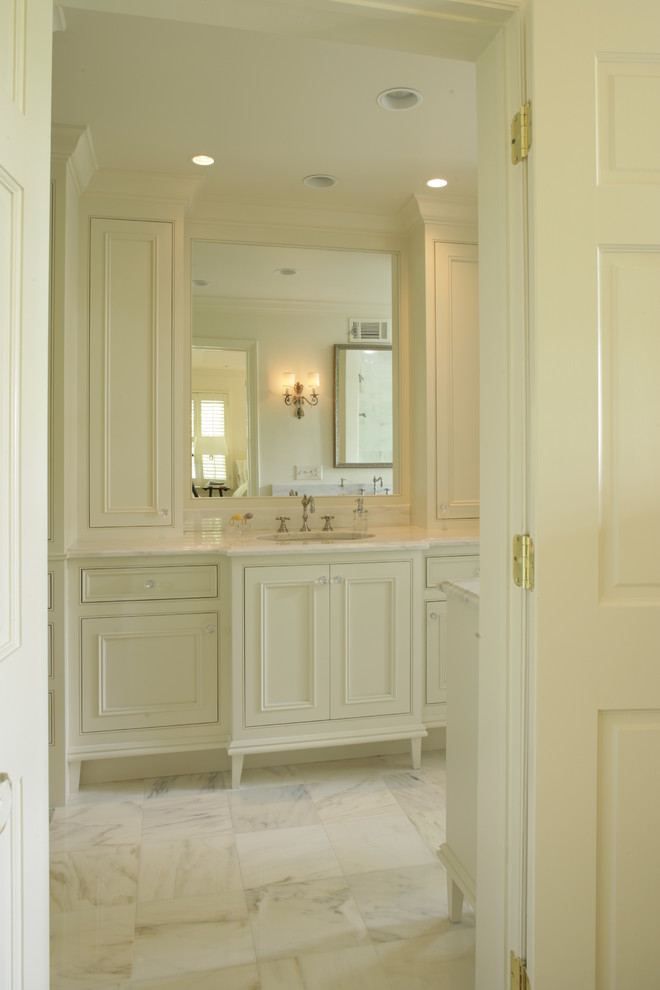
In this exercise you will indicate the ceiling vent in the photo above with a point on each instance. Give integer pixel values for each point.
(373, 331)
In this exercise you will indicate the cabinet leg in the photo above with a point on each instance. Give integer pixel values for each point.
(416, 753)
(74, 776)
(236, 770)
(454, 900)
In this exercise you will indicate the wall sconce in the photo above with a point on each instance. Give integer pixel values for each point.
(293, 391)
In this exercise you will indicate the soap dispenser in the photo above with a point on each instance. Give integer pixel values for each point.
(359, 515)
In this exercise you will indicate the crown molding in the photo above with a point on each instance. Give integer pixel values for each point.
(73, 143)
(227, 304)
(127, 184)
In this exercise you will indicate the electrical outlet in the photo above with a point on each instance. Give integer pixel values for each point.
(313, 473)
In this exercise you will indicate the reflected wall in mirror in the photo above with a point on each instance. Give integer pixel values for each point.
(292, 323)
(363, 406)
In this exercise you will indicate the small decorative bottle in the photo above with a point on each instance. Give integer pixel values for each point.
(359, 515)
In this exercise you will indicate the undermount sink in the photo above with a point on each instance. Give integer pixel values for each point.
(319, 536)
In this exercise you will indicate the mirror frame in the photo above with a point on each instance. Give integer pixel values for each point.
(218, 230)
(359, 347)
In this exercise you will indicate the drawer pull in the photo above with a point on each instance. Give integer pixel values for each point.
(210, 628)
(150, 584)
(322, 580)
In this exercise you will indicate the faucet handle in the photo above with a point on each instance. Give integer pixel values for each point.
(327, 528)
(283, 521)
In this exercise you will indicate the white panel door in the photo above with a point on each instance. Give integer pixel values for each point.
(130, 373)
(370, 665)
(286, 644)
(457, 380)
(25, 59)
(595, 851)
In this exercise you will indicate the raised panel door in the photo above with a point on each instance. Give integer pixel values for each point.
(130, 373)
(286, 644)
(149, 671)
(370, 639)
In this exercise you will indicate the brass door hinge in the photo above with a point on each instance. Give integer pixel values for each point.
(521, 133)
(519, 977)
(523, 562)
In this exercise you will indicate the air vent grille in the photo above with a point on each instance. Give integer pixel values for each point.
(373, 331)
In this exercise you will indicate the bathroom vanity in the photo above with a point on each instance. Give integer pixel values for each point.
(248, 645)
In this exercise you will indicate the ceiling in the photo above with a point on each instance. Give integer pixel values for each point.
(272, 106)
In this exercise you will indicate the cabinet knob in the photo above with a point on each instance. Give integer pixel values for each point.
(322, 580)
(150, 584)
(338, 579)
(210, 628)
(163, 512)
(433, 616)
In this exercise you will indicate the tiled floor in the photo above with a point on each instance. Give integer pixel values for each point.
(311, 877)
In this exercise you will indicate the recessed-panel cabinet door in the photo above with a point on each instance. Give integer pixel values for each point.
(286, 644)
(147, 671)
(130, 371)
(370, 639)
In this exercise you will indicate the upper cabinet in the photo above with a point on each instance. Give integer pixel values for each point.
(457, 380)
(130, 373)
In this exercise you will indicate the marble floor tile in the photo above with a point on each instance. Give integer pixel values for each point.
(286, 855)
(110, 793)
(191, 935)
(344, 969)
(342, 800)
(103, 876)
(188, 867)
(432, 962)
(228, 978)
(92, 949)
(302, 918)
(286, 806)
(83, 826)
(358, 767)
(266, 776)
(196, 816)
(183, 785)
(384, 842)
(404, 903)
(423, 799)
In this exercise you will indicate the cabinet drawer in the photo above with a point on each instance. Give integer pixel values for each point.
(141, 584)
(440, 569)
(149, 671)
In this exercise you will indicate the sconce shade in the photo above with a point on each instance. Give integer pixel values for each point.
(289, 379)
(313, 380)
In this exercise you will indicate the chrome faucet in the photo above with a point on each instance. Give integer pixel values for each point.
(375, 480)
(307, 500)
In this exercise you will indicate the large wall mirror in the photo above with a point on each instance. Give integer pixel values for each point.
(267, 321)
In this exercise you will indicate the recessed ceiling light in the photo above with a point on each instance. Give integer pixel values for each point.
(400, 98)
(202, 159)
(436, 183)
(286, 271)
(199, 281)
(320, 181)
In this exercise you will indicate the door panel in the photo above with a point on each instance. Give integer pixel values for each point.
(370, 639)
(597, 532)
(25, 60)
(286, 644)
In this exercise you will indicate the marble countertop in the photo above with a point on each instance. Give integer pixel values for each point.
(225, 540)
(466, 590)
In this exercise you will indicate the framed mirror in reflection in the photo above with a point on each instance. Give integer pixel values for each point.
(286, 310)
(363, 406)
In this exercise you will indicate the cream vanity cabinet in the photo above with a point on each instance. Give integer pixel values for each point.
(130, 372)
(443, 564)
(147, 679)
(325, 655)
